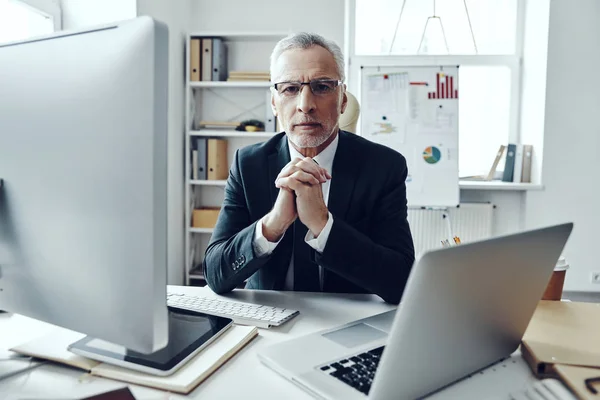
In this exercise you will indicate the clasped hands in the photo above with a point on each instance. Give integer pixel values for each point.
(300, 196)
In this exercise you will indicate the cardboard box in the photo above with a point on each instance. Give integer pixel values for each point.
(205, 217)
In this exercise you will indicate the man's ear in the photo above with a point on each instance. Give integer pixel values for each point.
(344, 100)
(273, 103)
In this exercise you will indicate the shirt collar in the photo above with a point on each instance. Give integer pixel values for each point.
(324, 158)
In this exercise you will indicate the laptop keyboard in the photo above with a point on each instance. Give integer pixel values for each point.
(357, 371)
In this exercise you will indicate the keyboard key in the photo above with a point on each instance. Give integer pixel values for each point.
(337, 366)
(378, 351)
(325, 368)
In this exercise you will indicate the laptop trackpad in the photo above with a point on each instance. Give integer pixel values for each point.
(355, 335)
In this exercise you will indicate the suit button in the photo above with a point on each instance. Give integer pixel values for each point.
(243, 258)
(233, 265)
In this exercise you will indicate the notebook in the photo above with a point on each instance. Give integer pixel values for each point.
(53, 347)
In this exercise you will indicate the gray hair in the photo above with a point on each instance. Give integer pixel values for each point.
(304, 40)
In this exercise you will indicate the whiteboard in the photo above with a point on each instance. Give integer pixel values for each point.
(414, 110)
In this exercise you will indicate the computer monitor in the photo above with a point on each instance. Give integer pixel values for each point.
(83, 203)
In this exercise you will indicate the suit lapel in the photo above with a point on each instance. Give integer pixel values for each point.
(277, 160)
(343, 176)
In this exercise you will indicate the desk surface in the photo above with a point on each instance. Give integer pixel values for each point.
(244, 376)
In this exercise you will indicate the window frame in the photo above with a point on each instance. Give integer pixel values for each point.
(48, 8)
(514, 62)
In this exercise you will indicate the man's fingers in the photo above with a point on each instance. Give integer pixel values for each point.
(299, 176)
(307, 165)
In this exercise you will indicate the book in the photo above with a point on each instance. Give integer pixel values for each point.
(509, 165)
(492, 172)
(218, 124)
(518, 170)
(527, 160)
(53, 347)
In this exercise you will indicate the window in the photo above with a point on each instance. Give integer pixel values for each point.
(24, 19)
(483, 37)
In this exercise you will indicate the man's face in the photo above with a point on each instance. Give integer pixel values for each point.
(308, 119)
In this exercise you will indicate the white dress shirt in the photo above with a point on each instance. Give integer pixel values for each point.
(263, 247)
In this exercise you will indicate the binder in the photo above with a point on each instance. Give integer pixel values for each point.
(270, 119)
(490, 176)
(509, 166)
(195, 60)
(201, 164)
(527, 159)
(206, 59)
(218, 169)
(518, 170)
(194, 164)
(219, 60)
(561, 341)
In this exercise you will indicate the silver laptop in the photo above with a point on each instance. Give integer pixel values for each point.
(463, 309)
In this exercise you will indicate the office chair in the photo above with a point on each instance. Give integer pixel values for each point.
(349, 119)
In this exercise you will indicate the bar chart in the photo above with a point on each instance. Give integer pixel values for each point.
(444, 87)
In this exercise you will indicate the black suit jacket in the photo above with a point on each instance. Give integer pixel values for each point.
(370, 247)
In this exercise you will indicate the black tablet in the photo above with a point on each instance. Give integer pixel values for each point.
(189, 332)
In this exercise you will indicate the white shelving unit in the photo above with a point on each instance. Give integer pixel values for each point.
(230, 134)
(222, 101)
(498, 185)
(230, 84)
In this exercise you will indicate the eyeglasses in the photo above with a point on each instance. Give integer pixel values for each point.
(318, 87)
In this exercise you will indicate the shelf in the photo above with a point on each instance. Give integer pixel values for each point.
(243, 36)
(224, 133)
(201, 230)
(498, 185)
(207, 183)
(230, 84)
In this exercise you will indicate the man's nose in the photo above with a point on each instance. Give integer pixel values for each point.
(306, 100)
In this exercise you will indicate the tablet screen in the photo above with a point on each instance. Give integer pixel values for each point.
(187, 331)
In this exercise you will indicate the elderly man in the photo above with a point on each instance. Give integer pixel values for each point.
(314, 208)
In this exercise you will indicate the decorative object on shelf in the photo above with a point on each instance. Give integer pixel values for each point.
(251, 125)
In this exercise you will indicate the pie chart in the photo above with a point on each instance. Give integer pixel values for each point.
(432, 155)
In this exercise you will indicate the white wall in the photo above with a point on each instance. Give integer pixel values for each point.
(325, 17)
(533, 91)
(79, 13)
(176, 14)
(572, 137)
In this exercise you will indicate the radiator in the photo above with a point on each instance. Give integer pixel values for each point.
(469, 221)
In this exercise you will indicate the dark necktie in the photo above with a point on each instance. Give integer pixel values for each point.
(306, 272)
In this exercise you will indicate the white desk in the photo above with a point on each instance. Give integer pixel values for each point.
(244, 376)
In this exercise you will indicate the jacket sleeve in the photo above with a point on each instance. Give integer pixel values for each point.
(380, 262)
(230, 258)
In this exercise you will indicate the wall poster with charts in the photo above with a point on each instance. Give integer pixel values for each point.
(414, 110)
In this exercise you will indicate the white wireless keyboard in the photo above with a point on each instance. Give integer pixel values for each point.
(241, 313)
